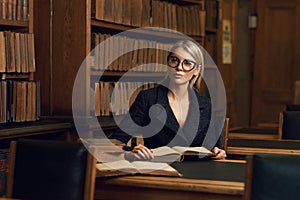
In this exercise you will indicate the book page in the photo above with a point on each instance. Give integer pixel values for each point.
(120, 165)
(164, 150)
(192, 150)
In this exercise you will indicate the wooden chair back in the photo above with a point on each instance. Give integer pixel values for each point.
(40, 169)
(272, 176)
(289, 125)
(225, 134)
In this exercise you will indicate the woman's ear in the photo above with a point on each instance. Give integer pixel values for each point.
(198, 70)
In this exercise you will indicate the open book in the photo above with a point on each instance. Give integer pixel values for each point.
(176, 153)
(124, 167)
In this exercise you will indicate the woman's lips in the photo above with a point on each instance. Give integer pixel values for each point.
(178, 75)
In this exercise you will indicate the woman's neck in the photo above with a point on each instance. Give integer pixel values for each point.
(178, 97)
(178, 92)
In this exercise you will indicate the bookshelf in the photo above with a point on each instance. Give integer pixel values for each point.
(19, 90)
(69, 48)
(69, 39)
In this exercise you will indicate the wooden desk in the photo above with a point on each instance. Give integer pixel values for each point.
(212, 180)
(40, 127)
(253, 133)
(247, 147)
(57, 129)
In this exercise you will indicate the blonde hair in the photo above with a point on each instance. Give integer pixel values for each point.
(195, 51)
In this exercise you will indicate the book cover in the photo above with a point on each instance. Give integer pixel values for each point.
(124, 167)
(177, 153)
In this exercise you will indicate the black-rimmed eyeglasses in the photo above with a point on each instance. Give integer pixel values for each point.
(187, 65)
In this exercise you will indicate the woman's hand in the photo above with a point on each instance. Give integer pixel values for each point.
(139, 152)
(220, 153)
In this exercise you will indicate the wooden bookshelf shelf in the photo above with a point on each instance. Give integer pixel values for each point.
(15, 23)
(132, 74)
(110, 25)
(15, 76)
(146, 31)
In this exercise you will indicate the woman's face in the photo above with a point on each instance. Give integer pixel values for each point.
(176, 61)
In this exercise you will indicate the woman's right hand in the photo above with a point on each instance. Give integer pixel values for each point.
(139, 152)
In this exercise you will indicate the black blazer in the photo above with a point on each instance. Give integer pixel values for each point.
(158, 132)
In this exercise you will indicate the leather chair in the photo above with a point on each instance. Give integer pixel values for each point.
(292, 107)
(43, 169)
(272, 176)
(289, 125)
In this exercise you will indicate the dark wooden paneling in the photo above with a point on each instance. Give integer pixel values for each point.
(276, 58)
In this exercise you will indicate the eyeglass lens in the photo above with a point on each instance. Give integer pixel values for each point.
(187, 65)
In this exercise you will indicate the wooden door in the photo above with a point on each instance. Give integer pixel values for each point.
(275, 57)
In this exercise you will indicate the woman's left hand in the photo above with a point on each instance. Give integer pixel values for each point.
(220, 153)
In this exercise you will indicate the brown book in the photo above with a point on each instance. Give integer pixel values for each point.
(145, 22)
(38, 100)
(17, 52)
(102, 99)
(34, 101)
(126, 15)
(25, 10)
(97, 99)
(109, 10)
(29, 100)
(7, 36)
(3, 100)
(23, 52)
(14, 101)
(98, 9)
(101, 56)
(26, 52)
(118, 11)
(2, 53)
(179, 19)
(19, 9)
(18, 104)
(202, 15)
(9, 9)
(155, 13)
(124, 167)
(24, 86)
(3, 9)
(31, 52)
(136, 14)
(165, 15)
(169, 16)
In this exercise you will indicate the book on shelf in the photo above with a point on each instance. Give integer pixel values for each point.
(17, 52)
(145, 13)
(124, 167)
(19, 101)
(14, 9)
(177, 153)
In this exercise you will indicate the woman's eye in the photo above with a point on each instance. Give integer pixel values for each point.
(174, 60)
(187, 63)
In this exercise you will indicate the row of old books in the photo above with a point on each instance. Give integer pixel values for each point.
(109, 54)
(116, 97)
(17, 52)
(188, 19)
(185, 19)
(14, 10)
(20, 101)
(128, 12)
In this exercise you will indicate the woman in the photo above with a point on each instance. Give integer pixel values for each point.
(171, 111)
